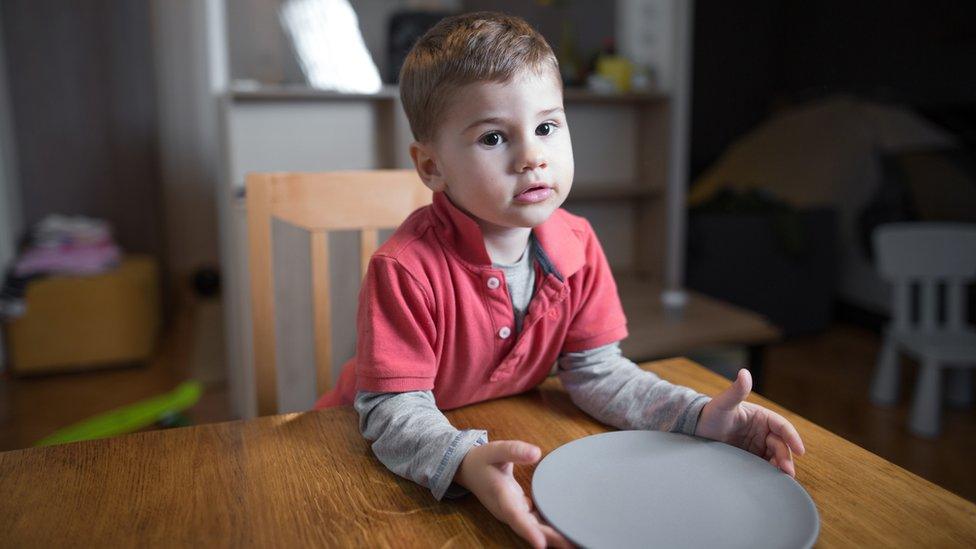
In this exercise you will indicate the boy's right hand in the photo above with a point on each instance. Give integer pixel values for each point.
(487, 471)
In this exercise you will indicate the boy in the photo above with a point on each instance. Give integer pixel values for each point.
(478, 295)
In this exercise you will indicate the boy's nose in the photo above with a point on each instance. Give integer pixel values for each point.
(532, 158)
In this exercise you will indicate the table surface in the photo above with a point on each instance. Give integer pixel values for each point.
(310, 479)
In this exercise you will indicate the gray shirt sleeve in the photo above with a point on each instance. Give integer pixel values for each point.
(414, 439)
(615, 391)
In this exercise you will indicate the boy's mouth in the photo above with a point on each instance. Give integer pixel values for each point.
(533, 194)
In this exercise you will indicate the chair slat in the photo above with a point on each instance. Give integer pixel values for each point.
(348, 200)
(369, 241)
(321, 310)
(955, 304)
(929, 303)
(903, 303)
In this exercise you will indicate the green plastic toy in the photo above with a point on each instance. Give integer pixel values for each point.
(128, 419)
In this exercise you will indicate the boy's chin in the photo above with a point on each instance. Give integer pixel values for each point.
(532, 216)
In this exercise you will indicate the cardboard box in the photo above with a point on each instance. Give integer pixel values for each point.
(82, 322)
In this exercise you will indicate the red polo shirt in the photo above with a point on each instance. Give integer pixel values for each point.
(435, 315)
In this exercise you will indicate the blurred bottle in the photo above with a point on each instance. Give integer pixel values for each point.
(616, 69)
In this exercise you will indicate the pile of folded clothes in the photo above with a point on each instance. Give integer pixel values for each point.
(58, 245)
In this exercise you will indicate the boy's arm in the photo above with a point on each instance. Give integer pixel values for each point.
(412, 438)
(615, 391)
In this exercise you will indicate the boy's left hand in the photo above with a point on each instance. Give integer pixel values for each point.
(750, 426)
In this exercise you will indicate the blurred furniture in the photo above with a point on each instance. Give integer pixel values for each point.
(82, 322)
(308, 479)
(940, 260)
(319, 203)
(780, 264)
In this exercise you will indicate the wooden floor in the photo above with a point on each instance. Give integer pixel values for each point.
(823, 377)
(33, 407)
(826, 377)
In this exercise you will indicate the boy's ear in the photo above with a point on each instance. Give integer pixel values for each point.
(426, 163)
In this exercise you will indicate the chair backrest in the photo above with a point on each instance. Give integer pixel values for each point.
(367, 201)
(927, 255)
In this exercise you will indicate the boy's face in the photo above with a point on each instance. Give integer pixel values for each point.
(503, 152)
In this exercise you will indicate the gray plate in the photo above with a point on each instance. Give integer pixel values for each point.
(646, 488)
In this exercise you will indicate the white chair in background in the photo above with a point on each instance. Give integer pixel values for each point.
(940, 260)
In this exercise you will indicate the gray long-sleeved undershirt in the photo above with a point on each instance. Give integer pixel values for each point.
(414, 439)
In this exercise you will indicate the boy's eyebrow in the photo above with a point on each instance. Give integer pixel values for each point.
(497, 120)
(551, 111)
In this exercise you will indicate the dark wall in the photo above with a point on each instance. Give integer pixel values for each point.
(752, 54)
(737, 68)
(83, 101)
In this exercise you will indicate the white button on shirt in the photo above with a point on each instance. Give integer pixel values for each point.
(493, 283)
(504, 332)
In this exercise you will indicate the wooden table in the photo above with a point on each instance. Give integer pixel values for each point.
(310, 480)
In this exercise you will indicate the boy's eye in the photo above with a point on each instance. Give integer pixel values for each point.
(545, 128)
(492, 139)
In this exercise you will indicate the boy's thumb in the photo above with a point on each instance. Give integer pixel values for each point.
(515, 451)
(736, 393)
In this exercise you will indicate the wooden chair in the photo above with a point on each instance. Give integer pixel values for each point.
(319, 203)
(927, 256)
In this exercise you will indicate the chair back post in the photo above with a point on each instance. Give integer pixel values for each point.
(260, 199)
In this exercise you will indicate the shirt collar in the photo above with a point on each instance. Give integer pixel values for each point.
(559, 244)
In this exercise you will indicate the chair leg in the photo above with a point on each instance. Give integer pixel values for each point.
(959, 393)
(927, 403)
(884, 386)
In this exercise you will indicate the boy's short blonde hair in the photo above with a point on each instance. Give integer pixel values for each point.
(459, 50)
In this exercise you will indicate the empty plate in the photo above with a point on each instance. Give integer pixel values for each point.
(647, 488)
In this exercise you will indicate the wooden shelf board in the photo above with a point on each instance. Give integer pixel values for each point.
(244, 91)
(584, 95)
(290, 92)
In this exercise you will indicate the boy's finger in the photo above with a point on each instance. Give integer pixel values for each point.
(512, 451)
(553, 537)
(525, 525)
(736, 393)
(781, 454)
(785, 430)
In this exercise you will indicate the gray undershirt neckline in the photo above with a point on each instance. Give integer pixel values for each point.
(520, 281)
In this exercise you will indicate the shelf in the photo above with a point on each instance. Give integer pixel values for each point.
(246, 91)
(612, 191)
(582, 95)
(284, 92)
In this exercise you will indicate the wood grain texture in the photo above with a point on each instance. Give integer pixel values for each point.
(310, 479)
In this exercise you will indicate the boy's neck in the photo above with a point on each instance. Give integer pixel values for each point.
(505, 245)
